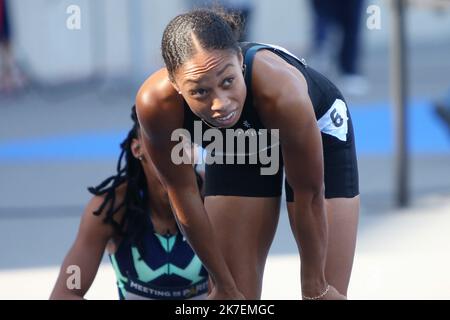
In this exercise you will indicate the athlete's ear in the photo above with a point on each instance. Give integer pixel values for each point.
(241, 62)
(136, 149)
(241, 58)
(174, 84)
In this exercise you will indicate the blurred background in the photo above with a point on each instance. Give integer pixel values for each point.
(69, 72)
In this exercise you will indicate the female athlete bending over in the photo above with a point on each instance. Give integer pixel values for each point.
(212, 80)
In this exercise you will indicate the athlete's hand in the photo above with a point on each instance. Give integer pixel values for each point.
(233, 294)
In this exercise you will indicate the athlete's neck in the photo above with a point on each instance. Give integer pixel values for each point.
(161, 214)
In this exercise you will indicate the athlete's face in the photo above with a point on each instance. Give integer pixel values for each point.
(213, 86)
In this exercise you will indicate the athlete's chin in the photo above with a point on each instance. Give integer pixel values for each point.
(225, 127)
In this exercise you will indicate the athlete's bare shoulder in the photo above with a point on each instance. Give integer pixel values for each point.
(157, 96)
(158, 105)
(272, 76)
(277, 87)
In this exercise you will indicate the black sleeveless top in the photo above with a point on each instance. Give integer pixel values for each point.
(221, 179)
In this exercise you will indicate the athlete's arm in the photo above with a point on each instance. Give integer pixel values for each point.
(160, 112)
(287, 107)
(84, 257)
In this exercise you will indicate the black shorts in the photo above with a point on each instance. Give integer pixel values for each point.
(340, 166)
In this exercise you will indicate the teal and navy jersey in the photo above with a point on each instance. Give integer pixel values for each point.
(165, 268)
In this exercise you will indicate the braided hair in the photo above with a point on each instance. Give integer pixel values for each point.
(136, 204)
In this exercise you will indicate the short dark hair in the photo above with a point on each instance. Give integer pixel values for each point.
(215, 29)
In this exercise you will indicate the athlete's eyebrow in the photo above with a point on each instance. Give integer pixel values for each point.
(219, 73)
(193, 80)
(224, 68)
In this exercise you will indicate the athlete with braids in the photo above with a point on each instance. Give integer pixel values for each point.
(212, 80)
(131, 217)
